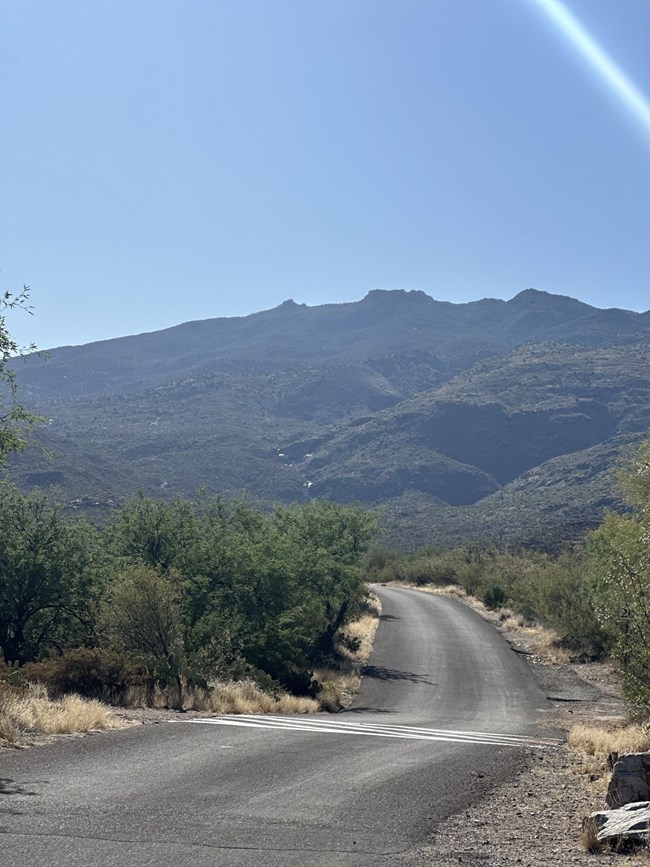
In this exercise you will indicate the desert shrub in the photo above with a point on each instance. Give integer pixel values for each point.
(379, 559)
(90, 673)
(566, 604)
(494, 597)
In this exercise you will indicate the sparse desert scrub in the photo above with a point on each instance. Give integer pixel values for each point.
(600, 741)
(28, 710)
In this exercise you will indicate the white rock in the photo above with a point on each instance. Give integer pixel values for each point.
(632, 820)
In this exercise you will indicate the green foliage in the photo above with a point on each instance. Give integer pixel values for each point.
(566, 600)
(620, 555)
(255, 595)
(16, 422)
(141, 616)
(50, 577)
(189, 590)
(494, 597)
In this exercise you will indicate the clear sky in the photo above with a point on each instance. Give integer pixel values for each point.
(165, 161)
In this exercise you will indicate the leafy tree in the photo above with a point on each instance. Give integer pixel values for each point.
(50, 575)
(267, 592)
(16, 422)
(565, 597)
(154, 532)
(620, 553)
(327, 543)
(141, 616)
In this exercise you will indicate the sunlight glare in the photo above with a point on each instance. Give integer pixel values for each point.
(629, 94)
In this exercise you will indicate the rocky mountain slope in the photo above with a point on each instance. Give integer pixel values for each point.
(492, 419)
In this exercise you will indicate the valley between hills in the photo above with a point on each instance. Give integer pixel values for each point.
(495, 420)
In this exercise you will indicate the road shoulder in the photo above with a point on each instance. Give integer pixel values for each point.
(535, 818)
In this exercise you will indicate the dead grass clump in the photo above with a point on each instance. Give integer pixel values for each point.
(599, 742)
(360, 636)
(8, 730)
(546, 644)
(589, 837)
(30, 711)
(244, 697)
(511, 621)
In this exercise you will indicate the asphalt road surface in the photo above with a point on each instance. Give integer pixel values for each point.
(446, 709)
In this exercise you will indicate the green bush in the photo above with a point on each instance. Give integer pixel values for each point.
(494, 597)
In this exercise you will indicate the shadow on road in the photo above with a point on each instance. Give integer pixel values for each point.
(380, 672)
(369, 710)
(11, 787)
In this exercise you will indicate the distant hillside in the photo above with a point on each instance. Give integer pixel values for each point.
(444, 415)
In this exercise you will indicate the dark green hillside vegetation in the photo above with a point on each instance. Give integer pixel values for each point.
(178, 592)
(547, 507)
(461, 421)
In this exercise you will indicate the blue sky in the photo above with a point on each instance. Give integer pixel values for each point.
(166, 161)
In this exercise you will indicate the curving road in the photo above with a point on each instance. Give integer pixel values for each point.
(445, 711)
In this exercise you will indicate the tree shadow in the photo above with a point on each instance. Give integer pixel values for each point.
(366, 709)
(11, 787)
(380, 672)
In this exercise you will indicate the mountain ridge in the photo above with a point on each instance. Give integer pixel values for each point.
(393, 396)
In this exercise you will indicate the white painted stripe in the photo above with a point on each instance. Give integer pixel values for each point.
(397, 728)
(371, 730)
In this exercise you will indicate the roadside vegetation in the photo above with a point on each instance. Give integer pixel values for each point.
(202, 604)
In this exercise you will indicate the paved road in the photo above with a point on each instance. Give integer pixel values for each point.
(442, 714)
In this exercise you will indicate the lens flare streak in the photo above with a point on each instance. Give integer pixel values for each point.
(627, 92)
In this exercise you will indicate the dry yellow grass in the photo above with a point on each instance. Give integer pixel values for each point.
(30, 711)
(245, 697)
(589, 837)
(599, 741)
(361, 631)
(593, 745)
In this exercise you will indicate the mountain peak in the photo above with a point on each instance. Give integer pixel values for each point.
(396, 295)
(540, 297)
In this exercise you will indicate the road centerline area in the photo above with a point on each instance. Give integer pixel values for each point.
(375, 730)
